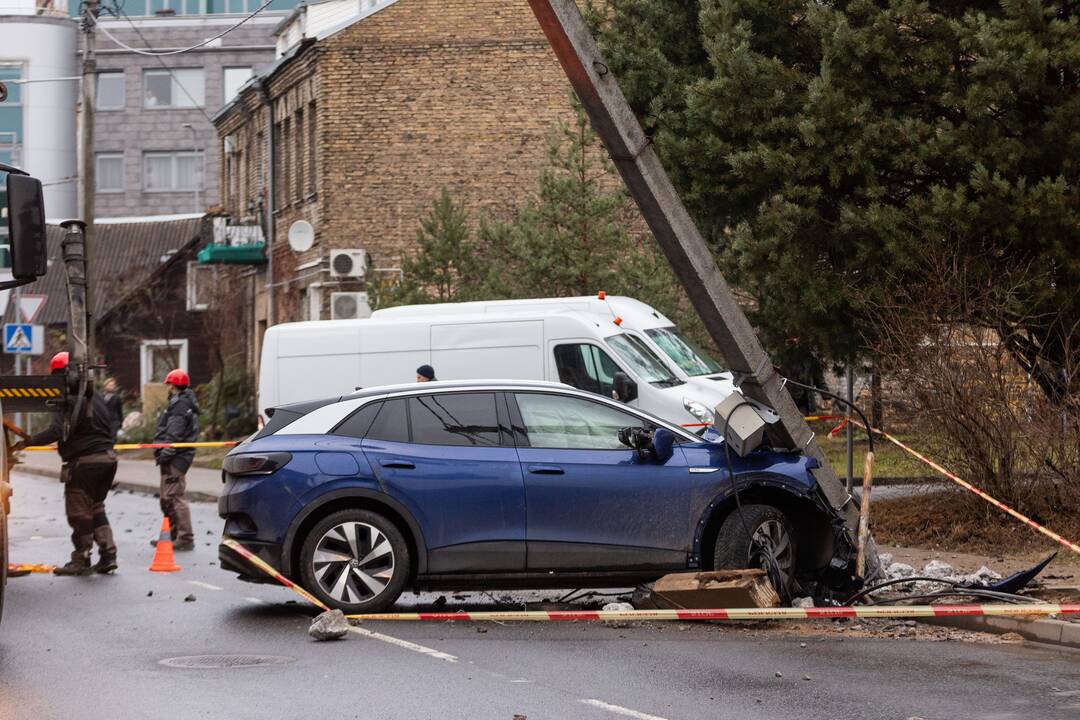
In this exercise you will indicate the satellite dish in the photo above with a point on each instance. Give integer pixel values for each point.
(301, 236)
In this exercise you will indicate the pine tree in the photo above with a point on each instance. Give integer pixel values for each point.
(822, 146)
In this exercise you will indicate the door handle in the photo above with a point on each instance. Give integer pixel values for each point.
(399, 464)
(546, 470)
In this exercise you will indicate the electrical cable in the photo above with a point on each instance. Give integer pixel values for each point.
(178, 51)
(775, 576)
(969, 592)
(834, 396)
(916, 578)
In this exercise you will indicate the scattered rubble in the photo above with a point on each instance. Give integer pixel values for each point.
(190, 598)
(618, 607)
(330, 625)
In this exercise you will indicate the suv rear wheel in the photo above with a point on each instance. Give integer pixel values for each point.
(356, 561)
(772, 548)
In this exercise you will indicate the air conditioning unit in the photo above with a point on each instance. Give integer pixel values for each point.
(349, 306)
(348, 263)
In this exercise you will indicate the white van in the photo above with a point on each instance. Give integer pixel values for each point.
(682, 355)
(312, 360)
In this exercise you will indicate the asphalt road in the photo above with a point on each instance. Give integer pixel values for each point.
(76, 648)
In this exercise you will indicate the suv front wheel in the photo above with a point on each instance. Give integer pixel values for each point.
(770, 544)
(356, 561)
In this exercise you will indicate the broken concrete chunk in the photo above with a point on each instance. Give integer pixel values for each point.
(618, 607)
(937, 569)
(803, 602)
(330, 625)
(885, 559)
(899, 570)
(190, 598)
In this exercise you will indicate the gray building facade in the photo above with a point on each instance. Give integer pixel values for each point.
(155, 147)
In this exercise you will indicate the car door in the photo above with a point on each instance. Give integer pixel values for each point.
(449, 458)
(593, 503)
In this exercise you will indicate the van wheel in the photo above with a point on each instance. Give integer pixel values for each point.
(772, 548)
(356, 561)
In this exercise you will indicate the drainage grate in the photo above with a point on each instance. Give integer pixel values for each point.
(204, 662)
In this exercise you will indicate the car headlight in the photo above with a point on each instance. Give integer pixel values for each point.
(698, 410)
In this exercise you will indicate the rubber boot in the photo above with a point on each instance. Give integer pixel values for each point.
(78, 565)
(106, 563)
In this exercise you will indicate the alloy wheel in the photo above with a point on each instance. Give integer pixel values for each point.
(771, 538)
(353, 562)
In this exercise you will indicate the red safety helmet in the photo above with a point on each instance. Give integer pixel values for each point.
(177, 377)
(59, 362)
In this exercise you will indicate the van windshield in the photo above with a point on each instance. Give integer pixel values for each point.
(684, 352)
(642, 360)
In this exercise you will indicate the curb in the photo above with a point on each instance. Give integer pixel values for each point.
(192, 496)
(1051, 632)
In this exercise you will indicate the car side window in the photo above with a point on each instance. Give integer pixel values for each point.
(359, 423)
(586, 367)
(555, 421)
(468, 419)
(391, 424)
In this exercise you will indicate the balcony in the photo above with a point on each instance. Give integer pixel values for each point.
(234, 245)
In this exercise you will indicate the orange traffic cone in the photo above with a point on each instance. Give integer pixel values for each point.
(164, 561)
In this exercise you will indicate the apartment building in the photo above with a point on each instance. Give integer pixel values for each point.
(155, 145)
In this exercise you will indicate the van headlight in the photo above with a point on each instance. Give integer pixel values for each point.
(698, 410)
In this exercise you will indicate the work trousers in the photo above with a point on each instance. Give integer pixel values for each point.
(174, 505)
(87, 481)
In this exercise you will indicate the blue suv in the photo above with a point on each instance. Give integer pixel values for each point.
(503, 484)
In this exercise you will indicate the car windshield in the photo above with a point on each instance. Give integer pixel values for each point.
(643, 361)
(684, 351)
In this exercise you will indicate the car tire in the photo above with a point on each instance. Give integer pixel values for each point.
(356, 561)
(734, 549)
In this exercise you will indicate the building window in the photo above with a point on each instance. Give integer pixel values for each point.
(201, 285)
(233, 79)
(180, 88)
(178, 171)
(298, 157)
(312, 144)
(110, 91)
(110, 172)
(158, 357)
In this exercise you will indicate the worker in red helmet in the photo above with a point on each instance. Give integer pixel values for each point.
(178, 423)
(87, 473)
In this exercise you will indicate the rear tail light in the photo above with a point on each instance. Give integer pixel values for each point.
(255, 463)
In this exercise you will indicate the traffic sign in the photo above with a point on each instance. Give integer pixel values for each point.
(24, 338)
(30, 305)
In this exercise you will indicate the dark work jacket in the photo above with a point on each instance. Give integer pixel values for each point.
(179, 422)
(91, 434)
(115, 403)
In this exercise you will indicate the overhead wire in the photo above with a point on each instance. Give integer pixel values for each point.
(177, 51)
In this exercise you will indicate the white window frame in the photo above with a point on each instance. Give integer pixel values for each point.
(145, 365)
(171, 73)
(193, 268)
(123, 91)
(174, 155)
(97, 171)
(225, 97)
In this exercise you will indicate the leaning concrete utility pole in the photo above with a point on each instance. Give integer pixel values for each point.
(680, 239)
(87, 169)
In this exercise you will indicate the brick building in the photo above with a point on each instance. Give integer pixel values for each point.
(376, 107)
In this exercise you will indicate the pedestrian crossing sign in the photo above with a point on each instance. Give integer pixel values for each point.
(23, 338)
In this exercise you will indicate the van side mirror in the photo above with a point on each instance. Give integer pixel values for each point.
(624, 389)
(26, 227)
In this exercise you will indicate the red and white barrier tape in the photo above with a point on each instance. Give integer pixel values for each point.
(259, 563)
(818, 613)
(150, 446)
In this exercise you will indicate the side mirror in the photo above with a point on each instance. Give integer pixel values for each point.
(625, 389)
(26, 227)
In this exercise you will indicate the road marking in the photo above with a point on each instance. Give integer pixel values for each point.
(257, 601)
(619, 710)
(208, 586)
(404, 644)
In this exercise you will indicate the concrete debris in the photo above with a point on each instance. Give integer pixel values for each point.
(190, 598)
(618, 607)
(803, 602)
(885, 559)
(330, 625)
(938, 569)
(720, 589)
(898, 570)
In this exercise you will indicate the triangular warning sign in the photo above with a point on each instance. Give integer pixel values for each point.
(19, 339)
(30, 306)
